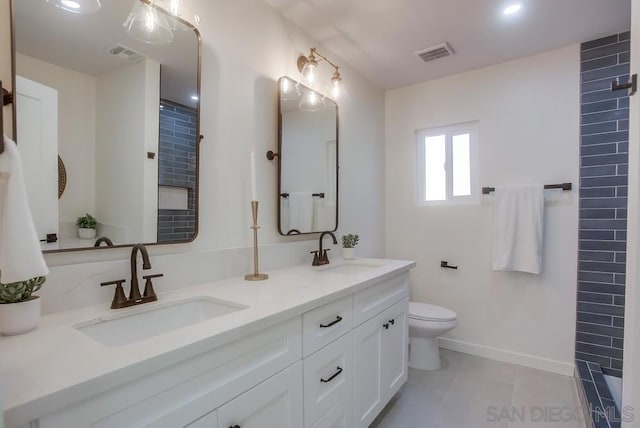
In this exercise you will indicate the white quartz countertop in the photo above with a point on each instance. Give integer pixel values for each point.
(56, 365)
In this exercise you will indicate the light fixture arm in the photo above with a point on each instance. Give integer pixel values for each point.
(313, 52)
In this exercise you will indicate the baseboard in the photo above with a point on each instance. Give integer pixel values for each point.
(553, 366)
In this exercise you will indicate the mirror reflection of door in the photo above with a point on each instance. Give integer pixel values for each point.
(127, 125)
(37, 106)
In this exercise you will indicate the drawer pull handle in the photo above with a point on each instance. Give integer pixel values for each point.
(392, 322)
(386, 326)
(333, 376)
(332, 323)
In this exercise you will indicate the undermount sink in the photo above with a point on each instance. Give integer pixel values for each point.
(350, 268)
(142, 323)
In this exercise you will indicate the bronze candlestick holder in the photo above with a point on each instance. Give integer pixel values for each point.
(256, 275)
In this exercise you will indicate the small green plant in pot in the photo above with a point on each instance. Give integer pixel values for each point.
(349, 243)
(86, 226)
(19, 308)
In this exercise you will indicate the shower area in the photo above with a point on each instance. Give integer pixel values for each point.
(604, 144)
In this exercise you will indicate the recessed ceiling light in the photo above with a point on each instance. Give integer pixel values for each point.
(194, 97)
(511, 9)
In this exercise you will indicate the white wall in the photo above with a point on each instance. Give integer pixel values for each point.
(528, 112)
(76, 131)
(126, 128)
(247, 46)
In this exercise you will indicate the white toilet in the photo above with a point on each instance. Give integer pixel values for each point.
(426, 323)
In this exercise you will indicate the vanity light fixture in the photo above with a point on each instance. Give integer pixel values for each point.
(307, 65)
(148, 25)
(77, 6)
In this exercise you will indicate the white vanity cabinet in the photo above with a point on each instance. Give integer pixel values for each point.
(366, 359)
(334, 366)
(380, 347)
(181, 394)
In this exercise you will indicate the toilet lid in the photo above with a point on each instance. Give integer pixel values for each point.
(427, 312)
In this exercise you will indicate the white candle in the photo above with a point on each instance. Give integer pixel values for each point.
(254, 192)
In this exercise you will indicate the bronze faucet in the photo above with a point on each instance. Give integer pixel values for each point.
(149, 295)
(105, 240)
(320, 257)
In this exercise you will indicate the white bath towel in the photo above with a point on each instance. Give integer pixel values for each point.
(301, 211)
(20, 254)
(518, 229)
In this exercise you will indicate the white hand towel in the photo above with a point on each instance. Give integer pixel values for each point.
(20, 254)
(518, 229)
(301, 211)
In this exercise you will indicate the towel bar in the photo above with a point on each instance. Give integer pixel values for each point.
(315, 195)
(563, 186)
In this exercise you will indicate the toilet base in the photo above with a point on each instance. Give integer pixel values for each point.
(424, 353)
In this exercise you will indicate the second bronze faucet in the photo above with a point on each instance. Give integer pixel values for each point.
(320, 257)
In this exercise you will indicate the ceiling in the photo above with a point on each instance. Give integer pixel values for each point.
(82, 43)
(379, 37)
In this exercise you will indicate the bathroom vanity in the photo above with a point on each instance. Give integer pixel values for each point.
(311, 347)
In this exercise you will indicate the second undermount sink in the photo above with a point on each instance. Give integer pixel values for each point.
(142, 323)
(350, 268)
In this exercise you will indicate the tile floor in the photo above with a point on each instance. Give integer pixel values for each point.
(474, 392)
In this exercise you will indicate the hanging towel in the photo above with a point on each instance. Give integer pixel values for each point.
(20, 254)
(301, 211)
(518, 229)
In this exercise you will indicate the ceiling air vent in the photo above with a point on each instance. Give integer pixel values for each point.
(126, 53)
(435, 52)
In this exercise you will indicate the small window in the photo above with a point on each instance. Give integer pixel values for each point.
(447, 164)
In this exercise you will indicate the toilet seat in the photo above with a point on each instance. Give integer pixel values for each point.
(428, 312)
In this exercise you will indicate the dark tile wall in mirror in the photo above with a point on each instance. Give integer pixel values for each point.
(177, 169)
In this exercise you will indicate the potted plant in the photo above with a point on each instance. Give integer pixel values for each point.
(19, 308)
(86, 227)
(349, 243)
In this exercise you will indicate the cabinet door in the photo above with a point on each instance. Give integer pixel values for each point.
(276, 402)
(207, 421)
(394, 349)
(338, 417)
(367, 384)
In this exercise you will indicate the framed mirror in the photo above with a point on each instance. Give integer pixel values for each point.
(307, 160)
(121, 114)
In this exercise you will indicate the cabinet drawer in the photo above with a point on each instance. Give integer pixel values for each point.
(370, 302)
(325, 324)
(328, 376)
(276, 402)
(338, 417)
